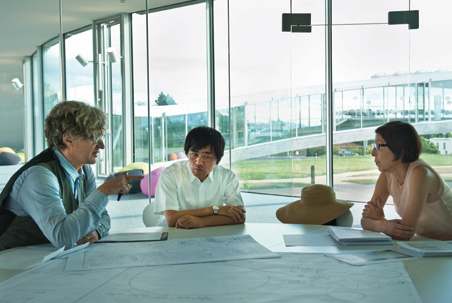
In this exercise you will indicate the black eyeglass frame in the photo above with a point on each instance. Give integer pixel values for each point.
(378, 145)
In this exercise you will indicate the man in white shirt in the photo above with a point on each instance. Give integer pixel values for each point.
(197, 192)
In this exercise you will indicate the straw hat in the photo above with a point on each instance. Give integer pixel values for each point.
(318, 205)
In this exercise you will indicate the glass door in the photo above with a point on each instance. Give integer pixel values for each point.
(109, 93)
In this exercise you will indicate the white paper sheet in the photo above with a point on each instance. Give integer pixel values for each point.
(53, 255)
(296, 277)
(73, 250)
(180, 251)
(30, 256)
(311, 239)
(371, 257)
(24, 258)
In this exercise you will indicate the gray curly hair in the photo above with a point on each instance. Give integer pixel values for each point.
(78, 119)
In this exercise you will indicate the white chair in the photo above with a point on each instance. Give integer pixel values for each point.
(346, 219)
(149, 218)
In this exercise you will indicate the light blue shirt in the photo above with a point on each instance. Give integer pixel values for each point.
(36, 193)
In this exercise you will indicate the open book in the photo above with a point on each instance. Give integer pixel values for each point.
(352, 236)
(427, 248)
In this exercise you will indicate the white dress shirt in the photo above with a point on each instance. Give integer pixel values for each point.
(178, 189)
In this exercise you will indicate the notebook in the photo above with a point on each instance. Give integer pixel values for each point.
(427, 248)
(356, 237)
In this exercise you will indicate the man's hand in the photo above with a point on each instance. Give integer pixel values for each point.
(374, 210)
(91, 238)
(236, 213)
(120, 184)
(189, 221)
(397, 230)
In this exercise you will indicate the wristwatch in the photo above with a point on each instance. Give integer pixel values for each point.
(215, 209)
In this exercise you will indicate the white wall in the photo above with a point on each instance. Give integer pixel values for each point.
(444, 145)
(11, 111)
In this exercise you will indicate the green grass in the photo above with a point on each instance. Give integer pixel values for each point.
(437, 160)
(301, 168)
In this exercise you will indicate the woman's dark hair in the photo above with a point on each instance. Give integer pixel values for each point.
(402, 139)
(202, 136)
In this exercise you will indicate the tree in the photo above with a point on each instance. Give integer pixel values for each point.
(428, 147)
(164, 100)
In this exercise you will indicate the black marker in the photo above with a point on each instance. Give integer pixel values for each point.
(119, 194)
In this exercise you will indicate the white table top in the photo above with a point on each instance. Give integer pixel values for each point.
(432, 277)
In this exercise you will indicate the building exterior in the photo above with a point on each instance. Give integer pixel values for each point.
(444, 145)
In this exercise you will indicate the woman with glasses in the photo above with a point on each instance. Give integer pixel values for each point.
(421, 197)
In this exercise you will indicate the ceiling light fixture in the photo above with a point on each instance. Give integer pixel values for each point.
(112, 55)
(296, 23)
(82, 60)
(16, 84)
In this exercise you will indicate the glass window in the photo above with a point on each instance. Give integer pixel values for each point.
(177, 79)
(371, 83)
(115, 88)
(382, 73)
(38, 124)
(275, 87)
(79, 72)
(51, 75)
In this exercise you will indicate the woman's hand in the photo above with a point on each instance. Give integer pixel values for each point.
(374, 210)
(396, 230)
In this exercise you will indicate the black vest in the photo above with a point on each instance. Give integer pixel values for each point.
(20, 231)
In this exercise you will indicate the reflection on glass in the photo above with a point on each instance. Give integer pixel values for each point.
(178, 79)
(79, 78)
(51, 75)
(38, 125)
(377, 82)
(116, 127)
(277, 96)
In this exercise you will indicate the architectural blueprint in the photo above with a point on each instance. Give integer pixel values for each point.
(179, 251)
(295, 277)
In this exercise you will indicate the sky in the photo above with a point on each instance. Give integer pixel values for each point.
(266, 63)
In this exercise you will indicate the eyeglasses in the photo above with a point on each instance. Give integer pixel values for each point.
(96, 139)
(377, 146)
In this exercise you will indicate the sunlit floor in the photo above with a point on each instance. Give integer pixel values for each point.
(261, 208)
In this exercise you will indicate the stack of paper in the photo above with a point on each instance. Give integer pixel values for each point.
(351, 236)
(428, 248)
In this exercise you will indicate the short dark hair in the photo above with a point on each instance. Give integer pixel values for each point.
(402, 139)
(202, 136)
